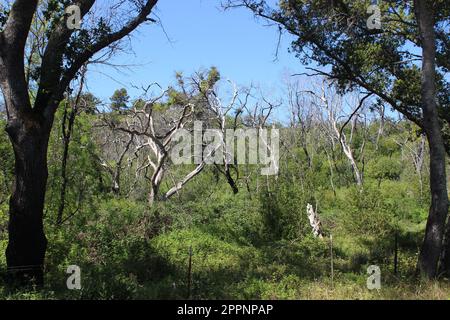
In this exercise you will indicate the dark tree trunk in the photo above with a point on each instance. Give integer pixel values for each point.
(227, 173)
(432, 244)
(67, 135)
(231, 182)
(63, 191)
(67, 125)
(156, 183)
(27, 242)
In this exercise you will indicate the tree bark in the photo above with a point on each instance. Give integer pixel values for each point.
(67, 137)
(27, 244)
(231, 181)
(67, 127)
(154, 194)
(175, 189)
(347, 149)
(432, 244)
(156, 180)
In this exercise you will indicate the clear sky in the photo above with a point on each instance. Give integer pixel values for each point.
(199, 34)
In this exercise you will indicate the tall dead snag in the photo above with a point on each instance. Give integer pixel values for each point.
(30, 120)
(382, 111)
(301, 118)
(218, 112)
(257, 116)
(331, 110)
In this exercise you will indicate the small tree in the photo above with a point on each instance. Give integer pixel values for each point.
(120, 100)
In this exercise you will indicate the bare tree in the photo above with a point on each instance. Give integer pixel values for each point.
(381, 110)
(225, 113)
(115, 146)
(301, 117)
(220, 111)
(154, 134)
(331, 107)
(258, 116)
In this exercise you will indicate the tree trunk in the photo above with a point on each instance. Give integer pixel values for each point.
(153, 195)
(381, 128)
(156, 183)
(346, 148)
(67, 136)
(67, 125)
(231, 182)
(432, 244)
(175, 189)
(63, 191)
(27, 242)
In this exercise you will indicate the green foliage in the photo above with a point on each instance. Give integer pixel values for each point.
(120, 100)
(284, 212)
(208, 82)
(368, 213)
(85, 180)
(384, 168)
(256, 244)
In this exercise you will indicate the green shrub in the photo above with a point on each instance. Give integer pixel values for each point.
(384, 168)
(284, 212)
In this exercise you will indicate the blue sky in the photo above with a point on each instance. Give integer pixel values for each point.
(200, 35)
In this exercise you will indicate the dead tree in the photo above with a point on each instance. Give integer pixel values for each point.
(153, 135)
(381, 111)
(219, 112)
(330, 112)
(115, 148)
(257, 116)
(301, 118)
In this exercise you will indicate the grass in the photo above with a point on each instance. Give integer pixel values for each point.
(223, 270)
(231, 260)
